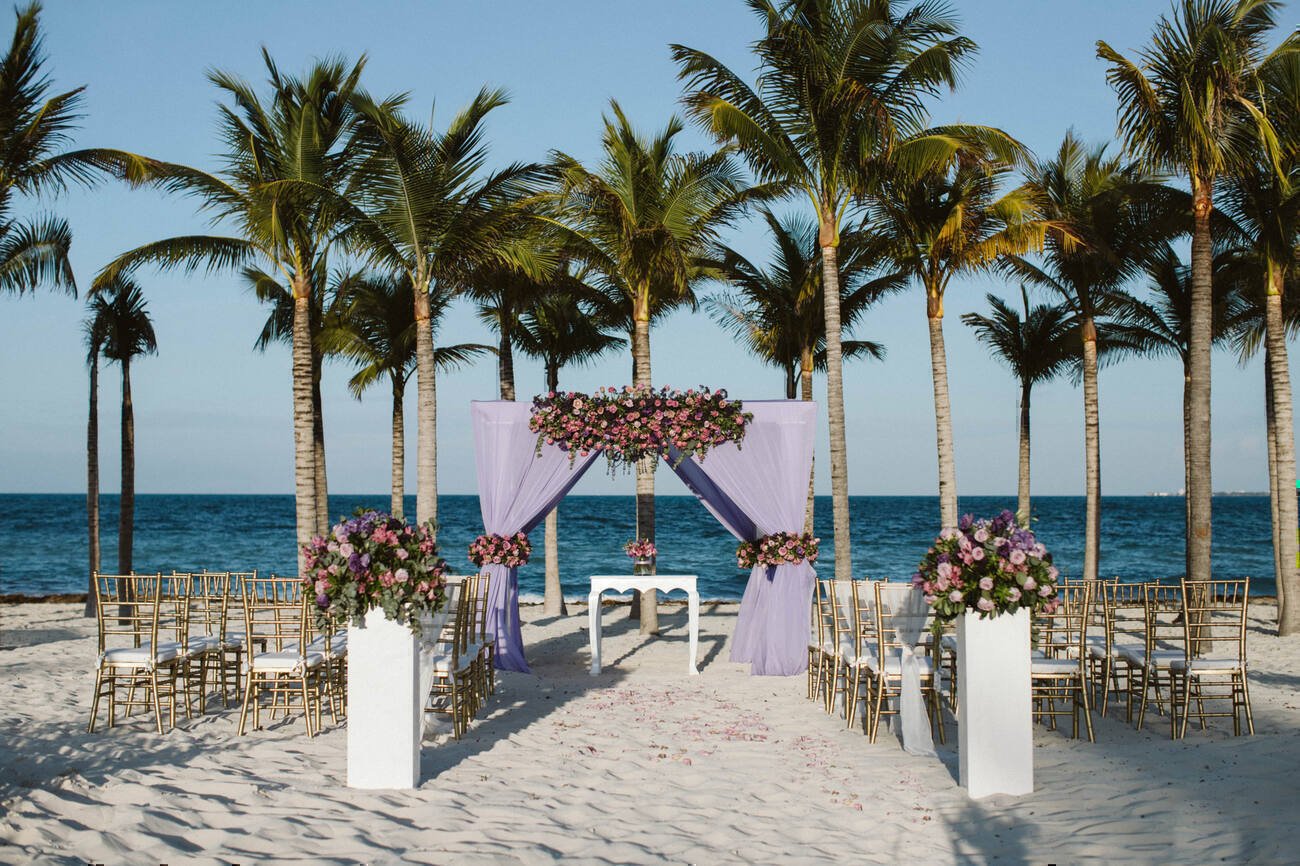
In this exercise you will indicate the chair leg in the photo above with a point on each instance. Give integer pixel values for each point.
(1087, 711)
(248, 699)
(1142, 706)
(94, 701)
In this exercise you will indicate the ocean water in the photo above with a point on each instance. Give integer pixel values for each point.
(43, 537)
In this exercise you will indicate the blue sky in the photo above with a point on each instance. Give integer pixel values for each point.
(212, 415)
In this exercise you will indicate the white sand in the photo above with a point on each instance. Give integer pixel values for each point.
(641, 764)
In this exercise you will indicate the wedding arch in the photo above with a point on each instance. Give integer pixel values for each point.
(756, 487)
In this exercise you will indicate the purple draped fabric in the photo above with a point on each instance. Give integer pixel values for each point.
(755, 489)
(517, 488)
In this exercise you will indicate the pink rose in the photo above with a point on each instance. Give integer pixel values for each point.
(1030, 584)
(984, 604)
(1013, 594)
(986, 583)
(954, 596)
(981, 535)
(1017, 557)
(977, 553)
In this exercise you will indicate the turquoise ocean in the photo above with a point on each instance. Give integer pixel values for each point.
(43, 537)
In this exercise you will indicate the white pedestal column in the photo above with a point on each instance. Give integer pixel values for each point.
(383, 705)
(995, 719)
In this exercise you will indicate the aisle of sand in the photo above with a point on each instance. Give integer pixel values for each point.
(640, 764)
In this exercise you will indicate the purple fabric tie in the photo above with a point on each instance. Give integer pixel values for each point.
(517, 488)
(755, 489)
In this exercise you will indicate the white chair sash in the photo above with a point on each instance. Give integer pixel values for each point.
(907, 612)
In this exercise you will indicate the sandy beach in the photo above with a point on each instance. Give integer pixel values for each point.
(639, 765)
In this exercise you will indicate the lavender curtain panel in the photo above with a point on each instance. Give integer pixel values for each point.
(517, 488)
(755, 489)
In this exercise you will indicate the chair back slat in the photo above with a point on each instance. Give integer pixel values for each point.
(1214, 624)
(898, 614)
(127, 609)
(275, 612)
(1064, 631)
(1163, 610)
(865, 639)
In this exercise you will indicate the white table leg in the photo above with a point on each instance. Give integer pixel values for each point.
(593, 627)
(693, 609)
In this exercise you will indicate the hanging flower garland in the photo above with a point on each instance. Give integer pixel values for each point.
(779, 548)
(508, 550)
(629, 424)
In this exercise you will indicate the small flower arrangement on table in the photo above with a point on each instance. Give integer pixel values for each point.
(779, 548)
(511, 551)
(374, 560)
(987, 566)
(640, 549)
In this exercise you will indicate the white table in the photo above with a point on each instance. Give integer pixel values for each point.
(601, 583)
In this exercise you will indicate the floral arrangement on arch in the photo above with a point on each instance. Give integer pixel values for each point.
(640, 548)
(779, 548)
(374, 560)
(987, 566)
(508, 550)
(629, 424)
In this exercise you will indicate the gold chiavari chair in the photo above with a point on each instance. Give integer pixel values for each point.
(133, 656)
(816, 637)
(841, 610)
(866, 645)
(331, 641)
(479, 643)
(1124, 630)
(1059, 668)
(453, 665)
(826, 660)
(207, 598)
(233, 639)
(886, 668)
(275, 613)
(1148, 666)
(1099, 641)
(1214, 628)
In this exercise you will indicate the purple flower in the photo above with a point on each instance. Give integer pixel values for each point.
(966, 522)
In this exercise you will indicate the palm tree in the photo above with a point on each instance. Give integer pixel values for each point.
(1161, 324)
(280, 158)
(34, 125)
(123, 322)
(372, 324)
(426, 213)
(1038, 345)
(940, 223)
(1264, 205)
(778, 312)
(93, 329)
(1106, 220)
(560, 329)
(645, 218)
(1185, 107)
(840, 84)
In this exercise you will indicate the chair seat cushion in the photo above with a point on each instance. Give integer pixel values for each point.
(234, 640)
(143, 655)
(893, 663)
(336, 646)
(1207, 665)
(1161, 658)
(949, 642)
(445, 661)
(1054, 667)
(287, 661)
(204, 644)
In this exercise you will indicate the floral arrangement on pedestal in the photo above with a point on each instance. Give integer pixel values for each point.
(374, 560)
(508, 550)
(779, 548)
(629, 424)
(986, 566)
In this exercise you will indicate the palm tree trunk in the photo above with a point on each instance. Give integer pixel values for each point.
(505, 365)
(806, 394)
(318, 448)
(1022, 492)
(1200, 336)
(828, 240)
(92, 484)
(942, 411)
(126, 509)
(1288, 589)
(426, 454)
(553, 601)
(1092, 453)
(1274, 488)
(304, 421)
(647, 610)
(1187, 466)
(399, 447)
